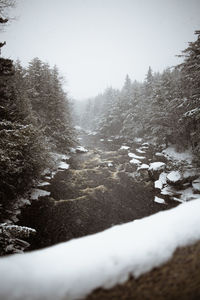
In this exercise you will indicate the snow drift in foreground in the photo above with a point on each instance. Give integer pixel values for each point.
(73, 269)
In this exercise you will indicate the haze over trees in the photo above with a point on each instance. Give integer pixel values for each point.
(164, 108)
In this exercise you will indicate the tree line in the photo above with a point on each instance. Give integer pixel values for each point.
(165, 108)
(35, 120)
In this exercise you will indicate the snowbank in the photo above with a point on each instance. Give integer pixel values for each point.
(73, 269)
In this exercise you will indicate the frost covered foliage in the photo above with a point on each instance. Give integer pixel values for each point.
(12, 238)
(50, 105)
(22, 158)
(35, 119)
(22, 152)
(164, 108)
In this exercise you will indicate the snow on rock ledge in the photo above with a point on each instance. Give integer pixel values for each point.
(106, 258)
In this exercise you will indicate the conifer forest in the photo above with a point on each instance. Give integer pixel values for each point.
(100, 196)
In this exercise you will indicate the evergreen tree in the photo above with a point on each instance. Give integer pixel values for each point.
(148, 85)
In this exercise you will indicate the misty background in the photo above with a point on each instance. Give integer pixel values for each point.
(95, 43)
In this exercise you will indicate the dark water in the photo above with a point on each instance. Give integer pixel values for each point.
(92, 195)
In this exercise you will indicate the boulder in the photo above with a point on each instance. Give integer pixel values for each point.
(140, 151)
(186, 177)
(175, 178)
(155, 169)
(143, 167)
(81, 149)
(159, 200)
(143, 172)
(133, 155)
(158, 184)
(135, 161)
(124, 147)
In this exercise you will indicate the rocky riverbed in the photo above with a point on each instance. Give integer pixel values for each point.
(106, 182)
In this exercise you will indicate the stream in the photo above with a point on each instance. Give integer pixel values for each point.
(98, 191)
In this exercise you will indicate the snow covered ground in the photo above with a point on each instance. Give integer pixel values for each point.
(73, 269)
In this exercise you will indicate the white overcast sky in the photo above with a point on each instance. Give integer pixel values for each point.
(95, 43)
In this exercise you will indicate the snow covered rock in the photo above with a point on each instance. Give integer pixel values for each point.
(110, 164)
(43, 183)
(135, 161)
(179, 179)
(143, 171)
(159, 154)
(143, 167)
(188, 195)
(158, 184)
(107, 258)
(81, 149)
(196, 185)
(174, 178)
(36, 193)
(137, 140)
(124, 147)
(179, 195)
(132, 155)
(170, 191)
(46, 172)
(63, 166)
(140, 151)
(72, 150)
(159, 200)
(155, 169)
